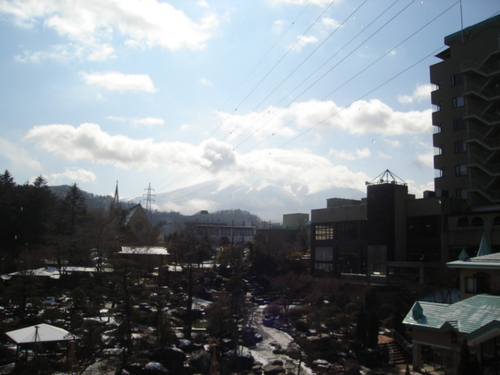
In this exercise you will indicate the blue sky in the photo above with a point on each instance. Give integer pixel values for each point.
(301, 95)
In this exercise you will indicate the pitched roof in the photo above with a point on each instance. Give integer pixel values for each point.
(144, 250)
(490, 261)
(468, 316)
(40, 333)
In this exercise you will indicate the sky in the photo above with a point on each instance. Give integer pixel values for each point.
(302, 95)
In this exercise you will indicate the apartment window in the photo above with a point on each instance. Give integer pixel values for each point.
(458, 101)
(457, 79)
(323, 254)
(460, 146)
(324, 232)
(458, 124)
(460, 170)
(461, 193)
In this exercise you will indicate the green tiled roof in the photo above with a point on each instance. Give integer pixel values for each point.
(466, 316)
(489, 261)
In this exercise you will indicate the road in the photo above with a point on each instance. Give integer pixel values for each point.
(263, 351)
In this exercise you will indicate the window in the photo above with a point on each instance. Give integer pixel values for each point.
(461, 193)
(496, 220)
(457, 79)
(476, 222)
(458, 124)
(478, 283)
(470, 285)
(323, 254)
(460, 170)
(460, 146)
(324, 232)
(458, 101)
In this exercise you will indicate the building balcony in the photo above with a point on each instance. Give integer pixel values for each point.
(491, 144)
(478, 187)
(489, 118)
(473, 88)
(481, 65)
(493, 170)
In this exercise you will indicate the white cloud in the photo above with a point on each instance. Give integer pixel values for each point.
(396, 143)
(330, 23)
(58, 52)
(205, 81)
(115, 81)
(303, 41)
(94, 23)
(421, 93)
(88, 142)
(348, 155)
(149, 122)
(425, 160)
(278, 26)
(18, 157)
(362, 117)
(81, 175)
(208, 160)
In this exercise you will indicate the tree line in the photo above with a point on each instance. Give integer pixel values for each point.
(37, 226)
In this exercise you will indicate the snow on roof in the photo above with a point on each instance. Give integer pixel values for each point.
(490, 261)
(466, 316)
(144, 250)
(53, 272)
(40, 333)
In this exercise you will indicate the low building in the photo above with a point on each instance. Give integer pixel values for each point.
(150, 258)
(439, 330)
(480, 274)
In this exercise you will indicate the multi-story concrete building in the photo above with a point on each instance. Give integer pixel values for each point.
(466, 100)
(390, 235)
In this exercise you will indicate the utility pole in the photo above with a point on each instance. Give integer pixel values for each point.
(148, 202)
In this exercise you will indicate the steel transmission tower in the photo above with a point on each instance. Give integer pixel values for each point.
(148, 202)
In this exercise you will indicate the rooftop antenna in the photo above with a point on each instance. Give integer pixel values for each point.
(148, 202)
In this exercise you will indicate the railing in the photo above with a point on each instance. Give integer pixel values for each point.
(407, 346)
(492, 143)
(493, 169)
(478, 64)
(478, 89)
(492, 195)
(488, 118)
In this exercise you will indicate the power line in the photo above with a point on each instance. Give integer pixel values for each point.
(353, 77)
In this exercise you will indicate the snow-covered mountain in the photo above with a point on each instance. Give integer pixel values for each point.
(268, 202)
